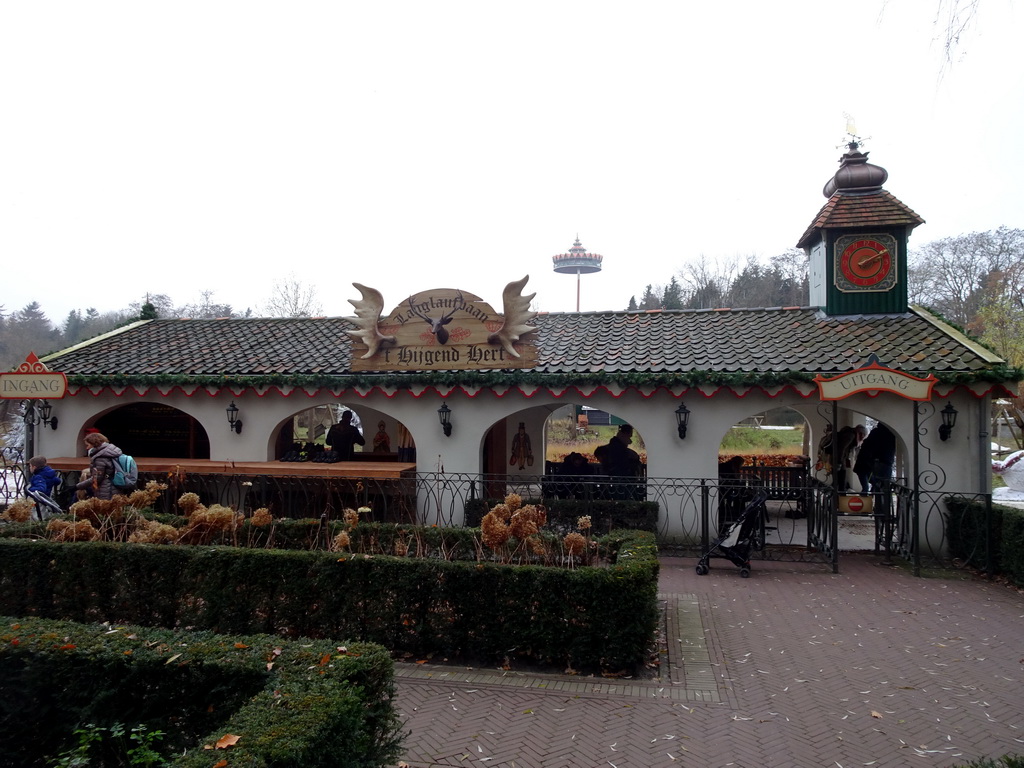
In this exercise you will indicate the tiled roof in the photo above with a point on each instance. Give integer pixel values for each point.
(723, 341)
(880, 209)
(244, 346)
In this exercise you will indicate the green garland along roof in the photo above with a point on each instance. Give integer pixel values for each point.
(1000, 374)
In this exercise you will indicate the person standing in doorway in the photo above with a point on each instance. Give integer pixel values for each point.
(850, 439)
(343, 437)
(621, 460)
(875, 459)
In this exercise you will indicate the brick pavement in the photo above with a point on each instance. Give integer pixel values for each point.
(794, 666)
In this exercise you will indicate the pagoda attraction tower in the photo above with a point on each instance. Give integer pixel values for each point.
(577, 261)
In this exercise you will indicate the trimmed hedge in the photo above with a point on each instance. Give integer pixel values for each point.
(308, 702)
(1006, 761)
(965, 524)
(589, 617)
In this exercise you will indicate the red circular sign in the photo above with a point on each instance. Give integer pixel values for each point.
(856, 503)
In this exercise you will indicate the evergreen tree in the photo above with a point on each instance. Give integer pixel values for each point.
(649, 300)
(632, 304)
(27, 330)
(673, 296)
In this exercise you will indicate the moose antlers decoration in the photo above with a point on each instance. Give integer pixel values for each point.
(517, 315)
(464, 331)
(367, 319)
(437, 324)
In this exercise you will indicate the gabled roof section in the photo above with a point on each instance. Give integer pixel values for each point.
(878, 209)
(635, 347)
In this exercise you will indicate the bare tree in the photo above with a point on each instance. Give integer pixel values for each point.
(954, 18)
(293, 298)
(706, 283)
(954, 275)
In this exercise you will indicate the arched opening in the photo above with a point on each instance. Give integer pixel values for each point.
(155, 430)
(334, 432)
(869, 450)
(586, 431)
(764, 469)
(776, 437)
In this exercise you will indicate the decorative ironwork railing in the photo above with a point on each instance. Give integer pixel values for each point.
(12, 474)
(686, 514)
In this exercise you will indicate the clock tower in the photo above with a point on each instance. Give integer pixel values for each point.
(857, 243)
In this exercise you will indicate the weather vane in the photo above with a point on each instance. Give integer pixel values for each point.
(852, 140)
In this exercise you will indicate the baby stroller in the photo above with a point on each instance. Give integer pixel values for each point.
(45, 506)
(740, 536)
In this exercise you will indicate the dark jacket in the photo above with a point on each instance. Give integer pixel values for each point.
(101, 472)
(621, 460)
(343, 438)
(877, 452)
(44, 480)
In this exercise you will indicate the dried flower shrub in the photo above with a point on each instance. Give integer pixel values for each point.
(207, 523)
(146, 497)
(574, 544)
(494, 530)
(341, 542)
(19, 511)
(68, 530)
(351, 517)
(527, 521)
(96, 511)
(189, 503)
(261, 518)
(152, 532)
(511, 520)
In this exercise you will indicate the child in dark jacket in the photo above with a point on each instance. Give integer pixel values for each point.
(44, 477)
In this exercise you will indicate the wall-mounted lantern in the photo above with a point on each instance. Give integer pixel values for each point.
(948, 414)
(444, 413)
(682, 420)
(234, 422)
(38, 412)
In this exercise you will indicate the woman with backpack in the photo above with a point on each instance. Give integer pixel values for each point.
(102, 463)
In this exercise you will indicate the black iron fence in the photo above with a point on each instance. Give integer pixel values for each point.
(801, 521)
(12, 474)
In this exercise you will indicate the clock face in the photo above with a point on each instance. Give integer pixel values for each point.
(865, 263)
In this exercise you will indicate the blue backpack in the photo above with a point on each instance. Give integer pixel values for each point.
(126, 472)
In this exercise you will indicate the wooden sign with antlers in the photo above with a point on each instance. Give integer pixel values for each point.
(443, 329)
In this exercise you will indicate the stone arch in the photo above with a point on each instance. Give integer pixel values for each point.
(781, 422)
(871, 419)
(310, 425)
(154, 430)
(549, 438)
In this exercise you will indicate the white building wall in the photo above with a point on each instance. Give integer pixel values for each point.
(962, 459)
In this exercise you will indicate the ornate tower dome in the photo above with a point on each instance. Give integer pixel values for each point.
(856, 176)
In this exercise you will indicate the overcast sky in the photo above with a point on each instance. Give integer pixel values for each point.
(188, 146)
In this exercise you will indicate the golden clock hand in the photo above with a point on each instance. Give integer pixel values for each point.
(871, 259)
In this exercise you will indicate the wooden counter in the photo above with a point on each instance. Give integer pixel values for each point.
(383, 470)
